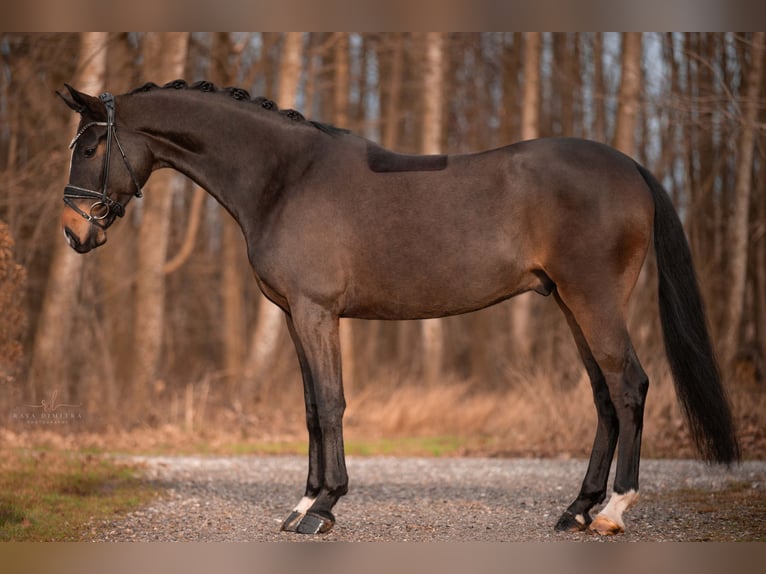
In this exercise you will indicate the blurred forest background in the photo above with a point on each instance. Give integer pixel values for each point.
(164, 328)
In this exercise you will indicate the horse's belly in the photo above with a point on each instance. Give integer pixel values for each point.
(432, 291)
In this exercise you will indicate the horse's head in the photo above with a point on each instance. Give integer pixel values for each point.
(106, 170)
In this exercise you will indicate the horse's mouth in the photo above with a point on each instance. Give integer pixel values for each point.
(91, 242)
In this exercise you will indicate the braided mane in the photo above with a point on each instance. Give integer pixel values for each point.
(241, 95)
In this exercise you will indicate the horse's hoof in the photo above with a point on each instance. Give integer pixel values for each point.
(316, 523)
(572, 523)
(291, 522)
(605, 526)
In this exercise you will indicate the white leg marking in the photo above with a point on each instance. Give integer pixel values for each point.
(304, 504)
(619, 503)
(580, 518)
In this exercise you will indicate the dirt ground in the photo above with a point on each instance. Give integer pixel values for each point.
(245, 498)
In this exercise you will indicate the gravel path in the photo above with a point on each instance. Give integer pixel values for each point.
(425, 499)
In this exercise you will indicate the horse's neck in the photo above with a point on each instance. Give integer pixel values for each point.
(235, 153)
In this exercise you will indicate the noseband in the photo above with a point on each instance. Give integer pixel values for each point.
(103, 204)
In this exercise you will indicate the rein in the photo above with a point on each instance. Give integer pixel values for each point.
(103, 204)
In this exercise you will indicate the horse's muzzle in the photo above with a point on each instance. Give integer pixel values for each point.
(93, 239)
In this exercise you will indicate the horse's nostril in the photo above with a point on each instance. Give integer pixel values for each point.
(74, 241)
(71, 238)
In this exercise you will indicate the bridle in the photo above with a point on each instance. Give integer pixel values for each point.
(103, 204)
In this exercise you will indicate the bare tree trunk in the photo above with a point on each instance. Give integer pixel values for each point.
(13, 317)
(164, 60)
(738, 228)
(112, 262)
(269, 323)
(759, 239)
(565, 80)
(511, 63)
(290, 69)
(521, 307)
(625, 139)
(177, 261)
(391, 119)
(403, 332)
(700, 193)
(49, 364)
(234, 258)
(341, 73)
(630, 86)
(433, 118)
(599, 88)
(530, 110)
(759, 267)
(341, 88)
(234, 261)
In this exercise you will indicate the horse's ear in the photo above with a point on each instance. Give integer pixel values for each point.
(79, 101)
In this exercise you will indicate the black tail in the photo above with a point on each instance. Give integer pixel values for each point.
(687, 342)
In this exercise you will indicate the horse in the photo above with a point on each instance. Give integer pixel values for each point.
(337, 226)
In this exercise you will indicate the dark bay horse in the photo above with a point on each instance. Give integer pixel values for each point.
(338, 227)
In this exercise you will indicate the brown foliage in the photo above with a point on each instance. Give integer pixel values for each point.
(13, 317)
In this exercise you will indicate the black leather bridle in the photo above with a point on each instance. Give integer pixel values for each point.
(103, 204)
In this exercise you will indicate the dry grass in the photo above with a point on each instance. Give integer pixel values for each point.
(539, 415)
(535, 415)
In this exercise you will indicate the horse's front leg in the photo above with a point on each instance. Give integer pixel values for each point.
(314, 480)
(314, 331)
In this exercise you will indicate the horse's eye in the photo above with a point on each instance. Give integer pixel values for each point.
(89, 152)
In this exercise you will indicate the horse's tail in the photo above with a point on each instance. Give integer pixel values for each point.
(690, 353)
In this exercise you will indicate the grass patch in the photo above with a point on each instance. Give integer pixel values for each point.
(406, 446)
(56, 496)
(435, 446)
(236, 448)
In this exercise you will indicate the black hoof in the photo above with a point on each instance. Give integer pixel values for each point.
(570, 523)
(291, 522)
(316, 523)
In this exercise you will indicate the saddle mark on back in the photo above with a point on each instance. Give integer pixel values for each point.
(382, 160)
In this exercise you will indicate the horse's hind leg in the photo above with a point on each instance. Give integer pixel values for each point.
(619, 392)
(593, 491)
(628, 392)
